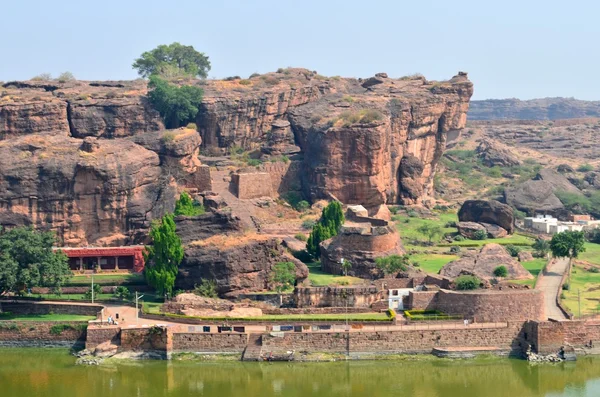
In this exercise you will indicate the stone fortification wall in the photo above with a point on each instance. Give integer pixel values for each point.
(484, 306)
(336, 296)
(45, 308)
(254, 185)
(549, 336)
(196, 342)
(42, 333)
(508, 337)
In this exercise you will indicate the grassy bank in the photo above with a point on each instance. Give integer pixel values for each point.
(318, 278)
(80, 280)
(587, 284)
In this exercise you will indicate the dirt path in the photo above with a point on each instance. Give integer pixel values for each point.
(550, 284)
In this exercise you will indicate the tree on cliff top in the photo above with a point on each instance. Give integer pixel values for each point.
(329, 225)
(173, 60)
(178, 106)
(187, 207)
(163, 256)
(27, 260)
(567, 244)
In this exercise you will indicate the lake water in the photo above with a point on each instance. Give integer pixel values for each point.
(37, 372)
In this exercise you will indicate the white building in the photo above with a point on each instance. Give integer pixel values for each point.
(541, 223)
(395, 298)
(565, 226)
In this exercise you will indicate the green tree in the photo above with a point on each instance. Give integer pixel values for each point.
(329, 225)
(122, 293)
(567, 244)
(466, 282)
(163, 256)
(283, 277)
(97, 291)
(27, 260)
(207, 288)
(430, 231)
(501, 271)
(173, 60)
(513, 250)
(188, 207)
(541, 247)
(392, 264)
(346, 266)
(177, 105)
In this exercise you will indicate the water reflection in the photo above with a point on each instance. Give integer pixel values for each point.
(32, 372)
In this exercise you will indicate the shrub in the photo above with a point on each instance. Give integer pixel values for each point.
(585, 168)
(187, 207)
(480, 235)
(285, 159)
(65, 77)
(254, 75)
(168, 137)
(594, 270)
(97, 291)
(566, 286)
(450, 224)
(42, 77)
(191, 126)
(512, 250)
(301, 237)
(308, 224)
(519, 214)
(231, 78)
(455, 249)
(391, 313)
(501, 271)
(459, 238)
(593, 236)
(122, 293)
(303, 256)
(413, 214)
(58, 329)
(244, 82)
(348, 99)
(254, 162)
(302, 206)
(393, 210)
(207, 288)
(465, 283)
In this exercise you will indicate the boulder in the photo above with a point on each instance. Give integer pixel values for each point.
(494, 154)
(494, 231)
(468, 229)
(525, 256)
(483, 262)
(488, 211)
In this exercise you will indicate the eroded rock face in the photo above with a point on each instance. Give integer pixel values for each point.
(488, 211)
(483, 263)
(110, 193)
(242, 267)
(493, 154)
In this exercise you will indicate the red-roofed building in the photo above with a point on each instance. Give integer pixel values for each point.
(98, 259)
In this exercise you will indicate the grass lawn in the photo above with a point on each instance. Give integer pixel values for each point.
(588, 283)
(535, 266)
(432, 263)
(106, 279)
(318, 278)
(99, 297)
(591, 254)
(45, 317)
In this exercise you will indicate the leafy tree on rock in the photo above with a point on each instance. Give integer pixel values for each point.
(392, 264)
(163, 256)
(283, 277)
(27, 260)
(346, 266)
(329, 225)
(567, 244)
(173, 59)
(187, 207)
(177, 105)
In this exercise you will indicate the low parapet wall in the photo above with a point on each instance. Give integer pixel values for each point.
(336, 296)
(483, 306)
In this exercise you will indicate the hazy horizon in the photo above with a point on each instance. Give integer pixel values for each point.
(518, 49)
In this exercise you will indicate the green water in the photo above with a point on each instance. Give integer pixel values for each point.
(35, 372)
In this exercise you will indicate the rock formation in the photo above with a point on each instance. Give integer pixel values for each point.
(360, 241)
(216, 249)
(534, 109)
(483, 263)
(539, 194)
(493, 154)
(488, 211)
(371, 142)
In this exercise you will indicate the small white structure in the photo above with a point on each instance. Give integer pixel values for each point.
(395, 298)
(541, 223)
(565, 226)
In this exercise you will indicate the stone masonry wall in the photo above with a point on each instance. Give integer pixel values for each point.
(96, 336)
(285, 176)
(45, 308)
(485, 306)
(549, 336)
(406, 341)
(144, 339)
(336, 297)
(196, 342)
(249, 186)
(41, 334)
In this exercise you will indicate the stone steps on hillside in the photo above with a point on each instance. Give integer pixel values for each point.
(253, 350)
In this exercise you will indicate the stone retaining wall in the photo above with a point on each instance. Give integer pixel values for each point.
(336, 296)
(252, 185)
(549, 336)
(40, 333)
(96, 336)
(196, 342)
(406, 341)
(45, 308)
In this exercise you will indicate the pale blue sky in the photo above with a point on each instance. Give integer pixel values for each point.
(524, 49)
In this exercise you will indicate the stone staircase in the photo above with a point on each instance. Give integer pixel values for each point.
(253, 349)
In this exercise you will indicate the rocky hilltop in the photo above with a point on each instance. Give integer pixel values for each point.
(92, 160)
(534, 109)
